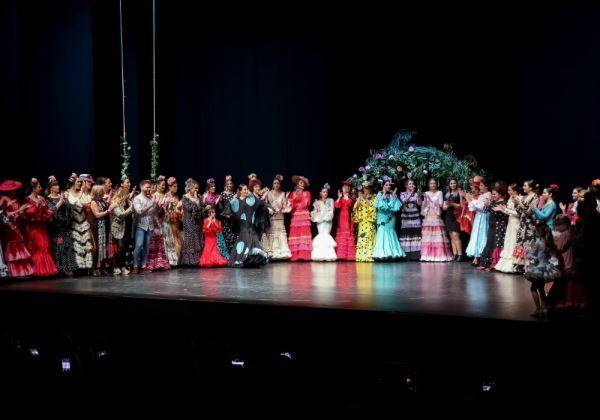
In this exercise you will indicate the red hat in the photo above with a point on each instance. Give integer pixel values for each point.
(347, 182)
(298, 178)
(10, 185)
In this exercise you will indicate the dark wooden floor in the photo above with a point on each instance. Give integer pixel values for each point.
(423, 288)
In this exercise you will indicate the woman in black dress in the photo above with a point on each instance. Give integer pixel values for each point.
(228, 229)
(247, 250)
(452, 205)
(192, 224)
(60, 229)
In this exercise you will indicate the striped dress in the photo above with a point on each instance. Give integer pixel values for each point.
(435, 245)
(410, 231)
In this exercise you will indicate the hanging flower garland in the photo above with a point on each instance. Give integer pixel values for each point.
(402, 160)
(125, 155)
(154, 157)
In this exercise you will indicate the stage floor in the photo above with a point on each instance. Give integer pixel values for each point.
(449, 289)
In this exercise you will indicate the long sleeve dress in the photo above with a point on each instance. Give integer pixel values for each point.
(435, 245)
(300, 239)
(496, 234)
(546, 214)
(387, 246)
(480, 225)
(121, 228)
(526, 231)
(16, 255)
(247, 250)
(344, 237)
(277, 241)
(171, 231)
(323, 245)
(410, 231)
(365, 214)
(211, 255)
(36, 237)
(192, 225)
(228, 229)
(505, 263)
(60, 237)
(80, 231)
(467, 216)
(102, 234)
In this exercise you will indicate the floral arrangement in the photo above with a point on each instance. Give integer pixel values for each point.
(402, 160)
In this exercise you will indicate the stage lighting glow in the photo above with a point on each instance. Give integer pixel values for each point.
(238, 363)
(34, 352)
(286, 355)
(101, 353)
(66, 364)
(487, 387)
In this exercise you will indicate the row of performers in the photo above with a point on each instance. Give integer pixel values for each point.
(90, 226)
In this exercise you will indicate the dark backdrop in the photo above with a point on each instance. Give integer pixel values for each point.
(309, 91)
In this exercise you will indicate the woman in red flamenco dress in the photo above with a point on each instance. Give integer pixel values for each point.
(37, 216)
(346, 248)
(211, 257)
(466, 216)
(300, 237)
(16, 255)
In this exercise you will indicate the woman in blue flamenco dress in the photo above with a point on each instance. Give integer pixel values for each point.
(387, 246)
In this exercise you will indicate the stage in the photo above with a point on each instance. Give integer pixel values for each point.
(366, 338)
(448, 289)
